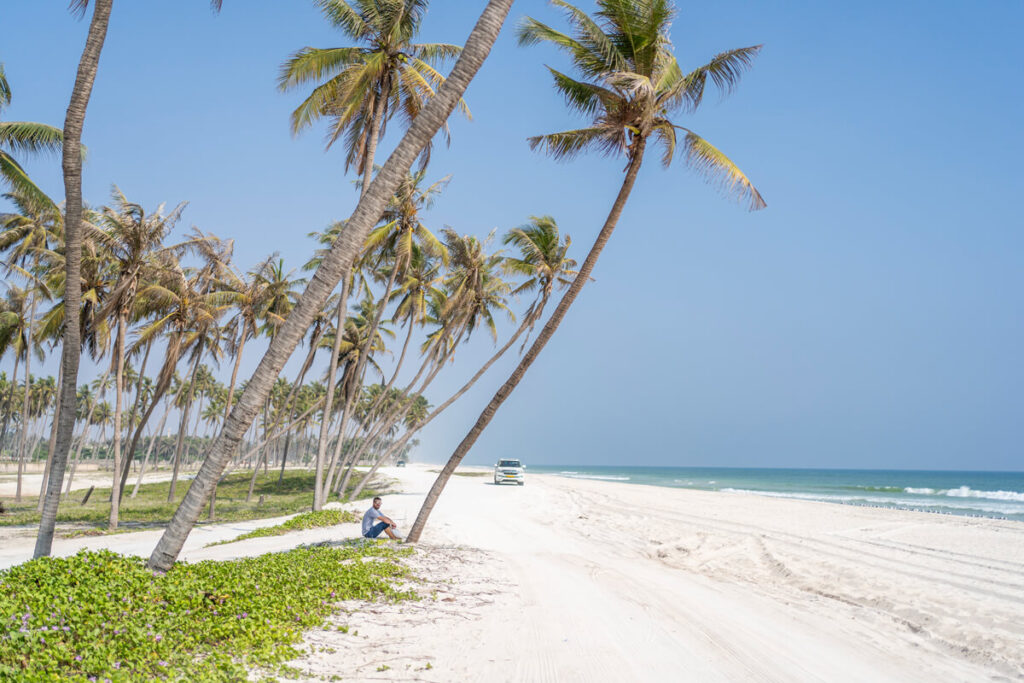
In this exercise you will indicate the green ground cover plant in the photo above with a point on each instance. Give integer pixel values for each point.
(150, 508)
(307, 520)
(102, 616)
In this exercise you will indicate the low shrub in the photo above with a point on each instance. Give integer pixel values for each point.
(102, 616)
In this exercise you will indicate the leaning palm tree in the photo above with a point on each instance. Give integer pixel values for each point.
(363, 87)
(631, 84)
(334, 266)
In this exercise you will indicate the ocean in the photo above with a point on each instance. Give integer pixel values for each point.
(977, 494)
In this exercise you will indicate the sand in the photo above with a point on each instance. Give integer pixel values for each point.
(572, 580)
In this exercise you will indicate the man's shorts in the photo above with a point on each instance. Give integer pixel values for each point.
(376, 530)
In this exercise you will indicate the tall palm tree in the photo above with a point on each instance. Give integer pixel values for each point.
(631, 85)
(71, 350)
(335, 265)
(363, 87)
(27, 138)
(74, 121)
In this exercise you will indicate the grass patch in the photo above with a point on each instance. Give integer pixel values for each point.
(307, 520)
(150, 508)
(100, 615)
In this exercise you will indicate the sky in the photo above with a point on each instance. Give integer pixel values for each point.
(872, 316)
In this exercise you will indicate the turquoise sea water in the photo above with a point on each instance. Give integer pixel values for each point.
(978, 494)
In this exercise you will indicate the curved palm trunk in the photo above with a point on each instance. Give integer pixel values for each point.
(72, 349)
(183, 427)
(537, 346)
(321, 447)
(336, 263)
(152, 440)
(129, 455)
(374, 134)
(163, 383)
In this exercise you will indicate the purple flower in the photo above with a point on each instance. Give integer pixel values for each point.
(78, 658)
(159, 637)
(163, 663)
(92, 678)
(117, 665)
(44, 628)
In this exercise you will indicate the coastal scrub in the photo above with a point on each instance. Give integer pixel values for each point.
(100, 615)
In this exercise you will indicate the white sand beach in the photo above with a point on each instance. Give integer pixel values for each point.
(573, 580)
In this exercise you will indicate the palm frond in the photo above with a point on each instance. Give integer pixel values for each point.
(719, 170)
(570, 143)
(311, 64)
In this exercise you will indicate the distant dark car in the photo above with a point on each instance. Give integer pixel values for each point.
(400, 463)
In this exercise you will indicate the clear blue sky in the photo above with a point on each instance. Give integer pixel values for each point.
(872, 316)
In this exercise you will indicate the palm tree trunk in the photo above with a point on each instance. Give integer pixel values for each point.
(371, 140)
(149, 449)
(9, 404)
(335, 265)
(321, 447)
(25, 398)
(78, 454)
(115, 488)
(163, 383)
(183, 427)
(72, 349)
(129, 455)
(537, 346)
(53, 442)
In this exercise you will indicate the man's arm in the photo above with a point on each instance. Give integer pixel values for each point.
(385, 518)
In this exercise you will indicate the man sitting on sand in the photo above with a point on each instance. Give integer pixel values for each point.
(385, 524)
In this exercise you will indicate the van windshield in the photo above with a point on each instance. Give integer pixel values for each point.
(509, 463)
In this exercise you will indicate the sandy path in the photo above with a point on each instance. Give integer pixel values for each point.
(567, 580)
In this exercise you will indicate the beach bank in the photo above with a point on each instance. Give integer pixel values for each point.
(564, 580)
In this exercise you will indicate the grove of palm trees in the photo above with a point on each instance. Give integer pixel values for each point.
(164, 317)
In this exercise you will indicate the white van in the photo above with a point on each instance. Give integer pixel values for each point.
(508, 470)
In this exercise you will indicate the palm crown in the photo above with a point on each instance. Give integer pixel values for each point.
(387, 74)
(632, 84)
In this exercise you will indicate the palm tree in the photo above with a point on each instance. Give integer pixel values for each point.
(71, 351)
(134, 241)
(74, 120)
(364, 87)
(543, 261)
(632, 84)
(335, 265)
(25, 137)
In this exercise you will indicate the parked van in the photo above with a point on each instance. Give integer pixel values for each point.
(508, 471)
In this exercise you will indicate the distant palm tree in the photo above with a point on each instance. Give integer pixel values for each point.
(135, 241)
(17, 335)
(363, 87)
(631, 85)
